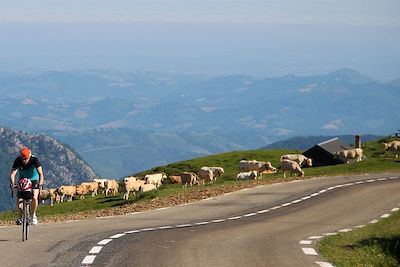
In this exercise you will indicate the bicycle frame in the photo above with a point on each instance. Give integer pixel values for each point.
(26, 211)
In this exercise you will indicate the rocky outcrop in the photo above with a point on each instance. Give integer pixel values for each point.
(61, 164)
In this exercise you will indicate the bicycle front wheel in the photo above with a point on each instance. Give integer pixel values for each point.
(25, 221)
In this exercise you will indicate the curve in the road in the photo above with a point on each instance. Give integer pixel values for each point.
(95, 250)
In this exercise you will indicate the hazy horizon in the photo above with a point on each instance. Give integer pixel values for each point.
(261, 38)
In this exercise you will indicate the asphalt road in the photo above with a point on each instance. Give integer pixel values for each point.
(261, 226)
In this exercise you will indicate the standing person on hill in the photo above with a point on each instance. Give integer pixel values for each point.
(28, 166)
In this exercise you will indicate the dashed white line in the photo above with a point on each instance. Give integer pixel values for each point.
(330, 234)
(370, 181)
(104, 242)
(360, 226)
(305, 242)
(395, 209)
(324, 264)
(95, 249)
(165, 227)
(345, 230)
(235, 218)
(218, 220)
(276, 207)
(309, 251)
(132, 232)
(382, 179)
(286, 204)
(201, 223)
(88, 259)
(305, 198)
(296, 201)
(385, 216)
(183, 225)
(262, 211)
(116, 236)
(315, 237)
(148, 229)
(165, 208)
(374, 221)
(250, 214)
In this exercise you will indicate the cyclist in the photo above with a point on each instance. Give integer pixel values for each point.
(28, 166)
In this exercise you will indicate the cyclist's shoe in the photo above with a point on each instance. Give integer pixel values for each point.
(34, 220)
(18, 221)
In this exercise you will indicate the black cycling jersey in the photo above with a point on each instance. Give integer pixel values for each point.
(28, 170)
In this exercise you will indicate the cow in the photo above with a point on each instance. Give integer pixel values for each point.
(250, 175)
(189, 178)
(299, 158)
(155, 178)
(254, 165)
(346, 155)
(111, 186)
(393, 146)
(132, 184)
(66, 190)
(292, 166)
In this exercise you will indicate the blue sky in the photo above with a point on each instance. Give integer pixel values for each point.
(263, 38)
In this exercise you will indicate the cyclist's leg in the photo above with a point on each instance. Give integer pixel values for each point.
(19, 206)
(35, 198)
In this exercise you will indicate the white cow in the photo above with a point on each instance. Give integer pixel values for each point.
(393, 146)
(299, 158)
(155, 178)
(147, 188)
(254, 165)
(247, 175)
(292, 166)
(111, 186)
(132, 184)
(346, 155)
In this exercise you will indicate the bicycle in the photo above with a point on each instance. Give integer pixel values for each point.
(26, 195)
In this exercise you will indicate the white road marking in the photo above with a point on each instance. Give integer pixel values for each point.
(330, 234)
(345, 230)
(314, 195)
(382, 179)
(276, 207)
(132, 232)
(359, 182)
(374, 221)
(88, 259)
(309, 251)
(218, 220)
(262, 211)
(385, 216)
(305, 198)
(370, 181)
(227, 194)
(296, 201)
(116, 236)
(165, 227)
(163, 208)
(348, 184)
(395, 209)
(183, 225)
(286, 204)
(250, 214)
(201, 223)
(104, 242)
(315, 237)
(392, 178)
(148, 229)
(305, 242)
(324, 264)
(360, 226)
(322, 191)
(235, 218)
(95, 249)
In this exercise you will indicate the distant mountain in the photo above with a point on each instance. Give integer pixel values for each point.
(171, 116)
(61, 164)
(305, 142)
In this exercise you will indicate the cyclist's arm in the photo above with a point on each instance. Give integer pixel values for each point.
(41, 176)
(13, 173)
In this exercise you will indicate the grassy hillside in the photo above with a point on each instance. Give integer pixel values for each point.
(376, 160)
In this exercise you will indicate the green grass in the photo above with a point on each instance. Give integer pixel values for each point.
(373, 246)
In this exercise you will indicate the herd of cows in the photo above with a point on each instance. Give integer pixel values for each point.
(249, 169)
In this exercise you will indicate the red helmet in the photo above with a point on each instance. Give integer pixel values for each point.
(24, 184)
